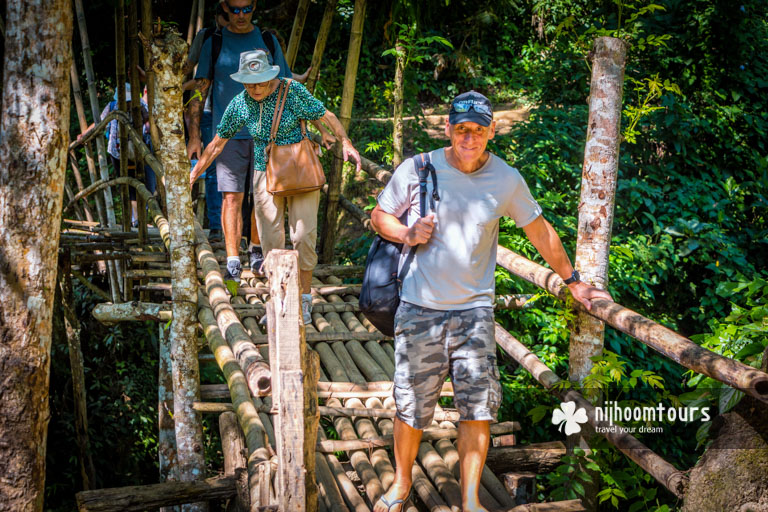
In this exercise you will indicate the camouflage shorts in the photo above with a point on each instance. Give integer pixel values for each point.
(431, 344)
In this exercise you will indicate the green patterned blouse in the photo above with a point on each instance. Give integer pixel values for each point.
(256, 116)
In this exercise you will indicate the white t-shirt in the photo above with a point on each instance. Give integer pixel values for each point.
(455, 269)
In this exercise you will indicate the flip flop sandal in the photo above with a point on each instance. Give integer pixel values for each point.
(396, 502)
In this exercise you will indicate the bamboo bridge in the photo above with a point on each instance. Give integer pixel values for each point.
(280, 381)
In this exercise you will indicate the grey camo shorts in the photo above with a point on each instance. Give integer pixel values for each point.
(432, 344)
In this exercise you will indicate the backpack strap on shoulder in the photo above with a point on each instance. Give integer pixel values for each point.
(424, 168)
(269, 40)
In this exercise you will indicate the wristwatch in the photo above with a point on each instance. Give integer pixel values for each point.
(575, 278)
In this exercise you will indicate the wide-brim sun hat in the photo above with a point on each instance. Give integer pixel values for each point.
(255, 68)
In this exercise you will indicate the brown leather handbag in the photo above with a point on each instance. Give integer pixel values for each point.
(293, 168)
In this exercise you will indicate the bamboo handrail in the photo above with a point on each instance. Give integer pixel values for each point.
(661, 470)
(662, 339)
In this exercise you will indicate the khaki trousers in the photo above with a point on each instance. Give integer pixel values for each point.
(302, 218)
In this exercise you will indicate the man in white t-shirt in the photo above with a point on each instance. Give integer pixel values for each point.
(445, 322)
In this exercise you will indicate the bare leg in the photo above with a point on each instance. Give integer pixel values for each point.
(305, 281)
(472, 444)
(407, 441)
(232, 221)
(134, 211)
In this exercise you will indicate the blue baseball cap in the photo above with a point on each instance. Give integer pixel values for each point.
(471, 107)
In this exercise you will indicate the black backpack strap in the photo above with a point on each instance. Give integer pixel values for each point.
(269, 40)
(424, 168)
(216, 42)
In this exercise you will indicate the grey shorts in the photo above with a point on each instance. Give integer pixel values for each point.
(233, 164)
(432, 344)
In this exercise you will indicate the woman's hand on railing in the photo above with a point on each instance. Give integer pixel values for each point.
(349, 151)
(328, 139)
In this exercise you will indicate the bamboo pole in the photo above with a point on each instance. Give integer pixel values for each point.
(146, 33)
(200, 18)
(168, 51)
(122, 105)
(665, 341)
(429, 434)
(136, 111)
(191, 26)
(248, 416)
(79, 182)
(335, 177)
(249, 358)
(101, 150)
(661, 470)
(298, 28)
(322, 38)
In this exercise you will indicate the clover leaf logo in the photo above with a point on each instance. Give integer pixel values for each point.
(568, 415)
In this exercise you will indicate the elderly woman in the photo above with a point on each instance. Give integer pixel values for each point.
(254, 109)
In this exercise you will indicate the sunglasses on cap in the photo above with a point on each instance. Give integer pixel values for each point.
(238, 10)
(464, 106)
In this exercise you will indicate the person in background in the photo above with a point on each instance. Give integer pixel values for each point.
(253, 109)
(113, 149)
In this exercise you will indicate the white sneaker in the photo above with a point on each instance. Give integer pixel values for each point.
(306, 308)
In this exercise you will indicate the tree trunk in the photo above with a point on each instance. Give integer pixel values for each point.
(168, 53)
(397, 95)
(335, 177)
(166, 436)
(322, 38)
(34, 134)
(298, 28)
(598, 189)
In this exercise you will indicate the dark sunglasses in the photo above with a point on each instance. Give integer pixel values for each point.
(238, 10)
(464, 106)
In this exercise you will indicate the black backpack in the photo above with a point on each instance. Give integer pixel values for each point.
(380, 294)
(217, 41)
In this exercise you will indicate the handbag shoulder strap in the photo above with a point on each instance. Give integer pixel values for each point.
(423, 163)
(279, 106)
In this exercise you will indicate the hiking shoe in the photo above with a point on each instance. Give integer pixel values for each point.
(257, 260)
(306, 308)
(233, 271)
(214, 235)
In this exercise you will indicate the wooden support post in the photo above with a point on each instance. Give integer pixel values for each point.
(295, 375)
(322, 38)
(298, 28)
(168, 52)
(598, 189)
(235, 463)
(335, 178)
(72, 325)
